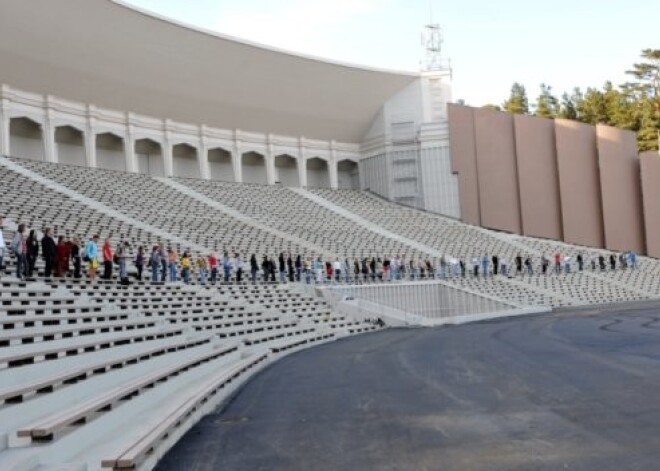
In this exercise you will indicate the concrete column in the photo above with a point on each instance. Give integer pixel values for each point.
(90, 138)
(236, 158)
(90, 147)
(203, 154)
(270, 161)
(4, 127)
(332, 167)
(168, 157)
(48, 136)
(129, 150)
(50, 147)
(302, 164)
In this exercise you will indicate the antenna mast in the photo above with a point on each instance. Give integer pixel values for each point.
(432, 39)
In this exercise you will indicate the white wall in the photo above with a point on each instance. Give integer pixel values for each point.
(221, 171)
(440, 186)
(286, 171)
(348, 176)
(71, 154)
(25, 139)
(111, 159)
(254, 168)
(318, 175)
(186, 166)
(255, 174)
(185, 162)
(110, 152)
(220, 167)
(151, 164)
(373, 175)
(287, 176)
(26, 148)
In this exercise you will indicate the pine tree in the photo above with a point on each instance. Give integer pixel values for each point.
(547, 104)
(592, 109)
(646, 91)
(567, 108)
(518, 102)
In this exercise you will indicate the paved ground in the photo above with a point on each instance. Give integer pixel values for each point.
(570, 391)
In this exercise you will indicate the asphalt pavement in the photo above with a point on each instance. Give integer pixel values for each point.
(564, 391)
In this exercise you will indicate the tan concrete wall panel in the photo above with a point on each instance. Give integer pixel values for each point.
(499, 198)
(620, 184)
(538, 177)
(650, 170)
(464, 160)
(579, 183)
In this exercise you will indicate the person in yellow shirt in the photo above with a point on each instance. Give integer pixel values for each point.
(201, 269)
(185, 267)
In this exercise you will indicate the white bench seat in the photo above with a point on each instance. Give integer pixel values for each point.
(154, 432)
(15, 322)
(32, 353)
(46, 427)
(24, 335)
(24, 310)
(46, 383)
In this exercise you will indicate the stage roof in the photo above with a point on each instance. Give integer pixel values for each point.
(112, 55)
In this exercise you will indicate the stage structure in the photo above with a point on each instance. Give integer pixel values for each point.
(167, 99)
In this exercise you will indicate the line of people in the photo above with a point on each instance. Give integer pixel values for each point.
(67, 256)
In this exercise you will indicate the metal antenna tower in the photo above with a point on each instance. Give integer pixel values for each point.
(432, 39)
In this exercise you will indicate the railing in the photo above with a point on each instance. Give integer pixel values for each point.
(411, 303)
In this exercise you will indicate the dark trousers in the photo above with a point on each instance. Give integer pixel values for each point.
(48, 271)
(21, 265)
(31, 261)
(107, 269)
(239, 275)
(77, 273)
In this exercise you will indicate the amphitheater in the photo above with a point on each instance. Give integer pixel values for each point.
(332, 161)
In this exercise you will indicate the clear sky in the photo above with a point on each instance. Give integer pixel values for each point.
(491, 43)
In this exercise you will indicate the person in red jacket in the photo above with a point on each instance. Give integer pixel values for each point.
(557, 262)
(107, 259)
(62, 252)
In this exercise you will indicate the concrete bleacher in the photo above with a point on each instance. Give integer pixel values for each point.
(459, 240)
(92, 352)
(100, 375)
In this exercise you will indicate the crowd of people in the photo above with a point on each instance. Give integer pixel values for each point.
(70, 256)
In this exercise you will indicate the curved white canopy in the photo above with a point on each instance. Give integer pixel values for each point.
(108, 54)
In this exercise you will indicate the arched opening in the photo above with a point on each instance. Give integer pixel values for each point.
(26, 139)
(149, 156)
(286, 170)
(348, 175)
(110, 152)
(254, 168)
(318, 175)
(185, 161)
(70, 145)
(220, 167)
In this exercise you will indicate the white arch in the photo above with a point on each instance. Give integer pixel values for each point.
(254, 170)
(287, 175)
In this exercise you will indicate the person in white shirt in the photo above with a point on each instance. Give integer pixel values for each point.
(336, 267)
(503, 266)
